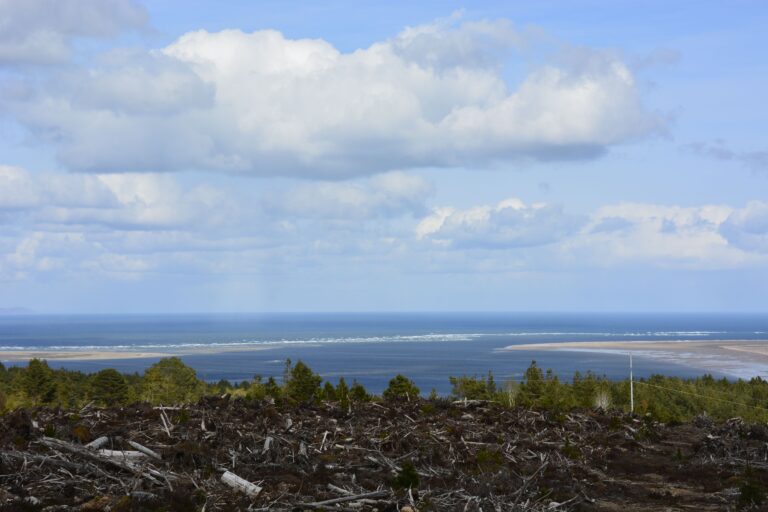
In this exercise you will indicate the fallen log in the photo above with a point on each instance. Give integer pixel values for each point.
(97, 443)
(45, 460)
(166, 422)
(339, 490)
(51, 442)
(143, 496)
(345, 499)
(122, 454)
(267, 444)
(143, 449)
(240, 484)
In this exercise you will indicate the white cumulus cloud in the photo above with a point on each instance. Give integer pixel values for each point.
(622, 234)
(657, 234)
(117, 201)
(508, 224)
(263, 104)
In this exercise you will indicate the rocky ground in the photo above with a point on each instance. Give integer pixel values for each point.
(224, 454)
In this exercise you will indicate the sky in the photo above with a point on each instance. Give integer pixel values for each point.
(253, 156)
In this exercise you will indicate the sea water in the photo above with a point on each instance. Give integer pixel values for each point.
(372, 348)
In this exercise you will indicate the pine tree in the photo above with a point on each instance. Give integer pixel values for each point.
(401, 387)
(272, 389)
(108, 387)
(342, 393)
(38, 382)
(357, 393)
(329, 392)
(303, 385)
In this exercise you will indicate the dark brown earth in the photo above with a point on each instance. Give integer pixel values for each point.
(427, 455)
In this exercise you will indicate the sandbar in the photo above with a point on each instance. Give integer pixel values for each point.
(103, 355)
(739, 358)
(24, 355)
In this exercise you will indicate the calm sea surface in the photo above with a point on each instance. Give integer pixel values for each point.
(372, 348)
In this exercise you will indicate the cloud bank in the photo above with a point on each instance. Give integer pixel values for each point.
(614, 235)
(142, 225)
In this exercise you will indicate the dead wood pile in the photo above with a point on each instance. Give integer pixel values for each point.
(224, 454)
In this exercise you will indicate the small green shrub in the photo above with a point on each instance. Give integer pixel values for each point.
(329, 392)
(428, 409)
(751, 491)
(401, 388)
(489, 459)
(473, 388)
(570, 451)
(183, 417)
(407, 477)
(357, 393)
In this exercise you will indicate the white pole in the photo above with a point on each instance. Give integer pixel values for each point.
(631, 387)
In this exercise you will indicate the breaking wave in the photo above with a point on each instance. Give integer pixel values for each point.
(404, 338)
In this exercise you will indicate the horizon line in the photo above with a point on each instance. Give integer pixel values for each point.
(10, 312)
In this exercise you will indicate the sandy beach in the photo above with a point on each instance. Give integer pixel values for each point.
(25, 355)
(739, 358)
(102, 355)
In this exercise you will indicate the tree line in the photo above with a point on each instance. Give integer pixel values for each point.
(170, 381)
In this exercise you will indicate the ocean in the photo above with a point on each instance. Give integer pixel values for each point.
(372, 348)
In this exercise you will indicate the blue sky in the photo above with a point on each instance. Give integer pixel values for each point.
(168, 156)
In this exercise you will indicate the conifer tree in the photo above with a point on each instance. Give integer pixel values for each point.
(171, 381)
(39, 384)
(342, 393)
(401, 388)
(108, 387)
(303, 385)
(357, 393)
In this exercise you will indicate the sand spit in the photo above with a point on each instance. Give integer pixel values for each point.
(740, 358)
(103, 355)
(25, 355)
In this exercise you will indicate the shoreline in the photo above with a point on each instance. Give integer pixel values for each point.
(738, 358)
(50, 355)
(104, 355)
